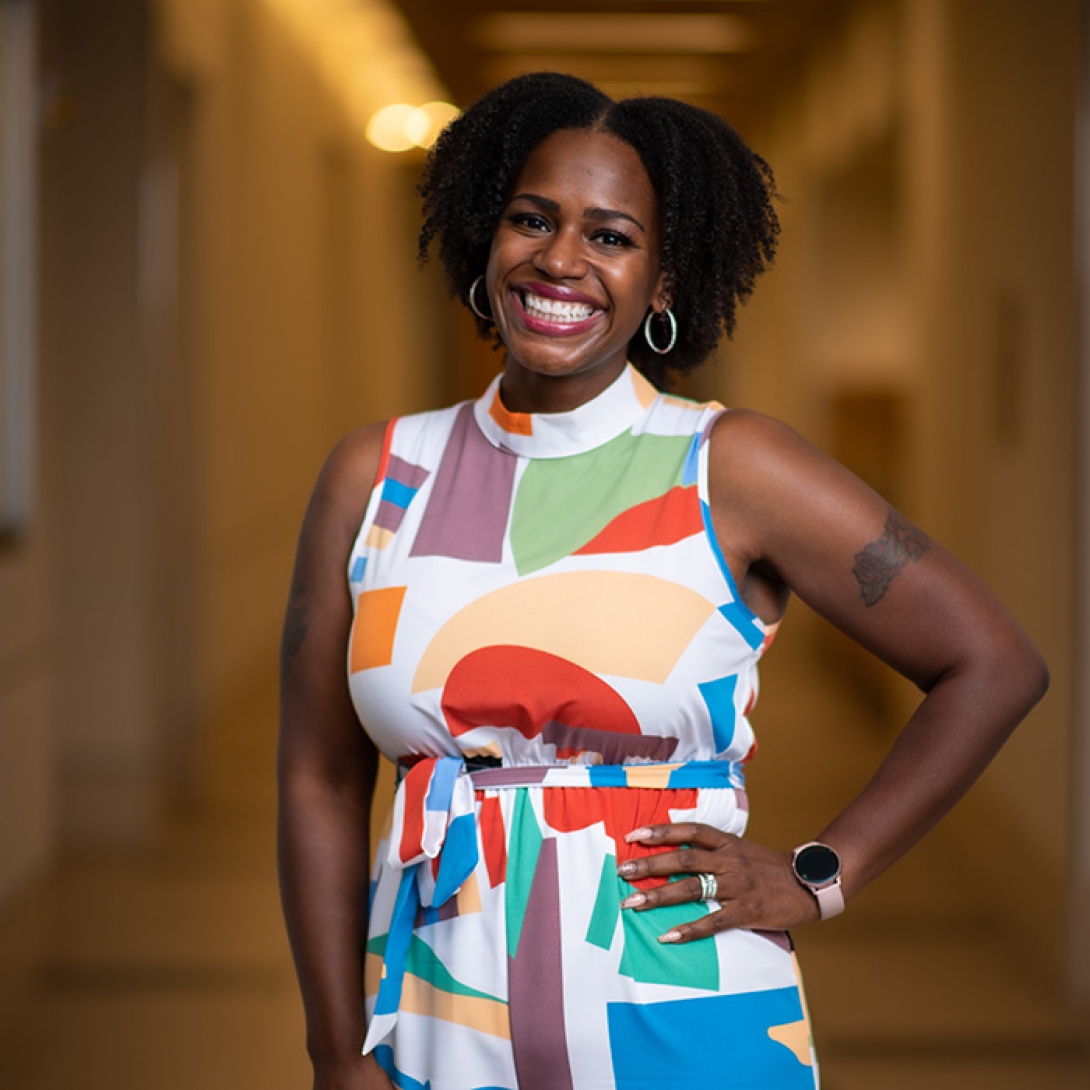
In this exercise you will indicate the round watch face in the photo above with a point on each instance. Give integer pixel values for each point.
(817, 865)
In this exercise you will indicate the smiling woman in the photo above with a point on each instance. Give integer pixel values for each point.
(711, 219)
(557, 597)
(573, 269)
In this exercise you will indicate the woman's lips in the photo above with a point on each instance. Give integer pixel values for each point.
(555, 312)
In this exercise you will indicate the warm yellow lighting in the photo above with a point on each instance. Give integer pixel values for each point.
(512, 32)
(388, 127)
(618, 89)
(426, 122)
(362, 49)
(401, 126)
(670, 74)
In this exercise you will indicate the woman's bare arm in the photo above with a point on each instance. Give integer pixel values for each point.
(787, 516)
(326, 773)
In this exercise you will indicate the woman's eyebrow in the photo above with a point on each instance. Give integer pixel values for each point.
(612, 213)
(589, 213)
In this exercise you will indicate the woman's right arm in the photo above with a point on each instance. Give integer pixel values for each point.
(326, 774)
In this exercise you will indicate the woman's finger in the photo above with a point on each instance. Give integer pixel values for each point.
(684, 832)
(683, 891)
(720, 920)
(664, 864)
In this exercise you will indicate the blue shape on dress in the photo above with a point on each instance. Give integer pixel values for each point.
(740, 616)
(690, 470)
(725, 1036)
(400, 495)
(719, 696)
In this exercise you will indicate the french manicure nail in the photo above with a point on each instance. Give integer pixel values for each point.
(670, 936)
(633, 900)
(637, 834)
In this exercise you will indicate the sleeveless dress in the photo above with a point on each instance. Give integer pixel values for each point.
(549, 643)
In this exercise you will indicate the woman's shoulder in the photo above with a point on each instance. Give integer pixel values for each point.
(745, 442)
(356, 463)
(353, 464)
(766, 475)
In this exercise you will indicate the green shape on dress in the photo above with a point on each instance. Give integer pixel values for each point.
(523, 849)
(645, 959)
(424, 963)
(607, 906)
(562, 503)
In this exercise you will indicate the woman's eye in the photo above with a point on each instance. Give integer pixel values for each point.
(530, 220)
(613, 238)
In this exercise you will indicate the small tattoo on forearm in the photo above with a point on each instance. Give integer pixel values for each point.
(295, 626)
(878, 563)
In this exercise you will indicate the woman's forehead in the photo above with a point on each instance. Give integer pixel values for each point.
(597, 164)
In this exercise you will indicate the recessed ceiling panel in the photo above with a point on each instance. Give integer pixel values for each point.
(526, 32)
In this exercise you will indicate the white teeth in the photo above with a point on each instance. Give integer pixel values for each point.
(555, 310)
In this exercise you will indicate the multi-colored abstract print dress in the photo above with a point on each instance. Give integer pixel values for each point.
(549, 643)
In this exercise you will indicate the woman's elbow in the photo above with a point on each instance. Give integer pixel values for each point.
(1020, 668)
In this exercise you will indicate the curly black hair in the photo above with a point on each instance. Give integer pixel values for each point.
(718, 226)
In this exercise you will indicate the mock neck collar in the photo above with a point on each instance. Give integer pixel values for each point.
(558, 435)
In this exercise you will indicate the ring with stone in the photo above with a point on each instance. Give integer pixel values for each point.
(709, 886)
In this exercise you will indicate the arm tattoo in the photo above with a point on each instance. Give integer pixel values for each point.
(878, 563)
(295, 626)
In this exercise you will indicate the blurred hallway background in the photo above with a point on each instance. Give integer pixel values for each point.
(208, 275)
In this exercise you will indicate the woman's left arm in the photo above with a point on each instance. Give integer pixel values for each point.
(786, 514)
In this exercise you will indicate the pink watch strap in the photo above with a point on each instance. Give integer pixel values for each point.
(830, 899)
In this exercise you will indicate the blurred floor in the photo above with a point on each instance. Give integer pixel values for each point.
(169, 970)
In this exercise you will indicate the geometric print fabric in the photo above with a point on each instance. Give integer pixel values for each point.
(547, 638)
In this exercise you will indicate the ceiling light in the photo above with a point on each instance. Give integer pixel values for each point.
(400, 126)
(388, 127)
(426, 122)
(513, 32)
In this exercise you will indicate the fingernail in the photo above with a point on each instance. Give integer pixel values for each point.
(670, 936)
(633, 901)
(626, 869)
(637, 834)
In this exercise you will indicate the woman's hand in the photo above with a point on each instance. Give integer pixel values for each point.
(756, 887)
(360, 1073)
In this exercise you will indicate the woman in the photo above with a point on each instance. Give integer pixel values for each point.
(557, 596)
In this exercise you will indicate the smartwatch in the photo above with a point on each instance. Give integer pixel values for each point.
(817, 868)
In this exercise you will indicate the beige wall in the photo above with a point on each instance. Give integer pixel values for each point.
(306, 320)
(28, 798)
(927, 160)
(26, 677)
(228, 285)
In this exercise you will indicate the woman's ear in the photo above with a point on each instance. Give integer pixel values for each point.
(663, 295)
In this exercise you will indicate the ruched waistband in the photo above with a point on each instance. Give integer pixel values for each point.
(684, 774)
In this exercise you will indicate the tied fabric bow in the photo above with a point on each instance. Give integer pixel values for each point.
(433, 843)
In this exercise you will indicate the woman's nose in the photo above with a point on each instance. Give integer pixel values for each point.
(561, 255)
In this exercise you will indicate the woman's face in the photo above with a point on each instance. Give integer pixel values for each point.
(573, 268)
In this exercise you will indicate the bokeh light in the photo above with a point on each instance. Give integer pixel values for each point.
(400, 126)
(388, 127)
(428, 121)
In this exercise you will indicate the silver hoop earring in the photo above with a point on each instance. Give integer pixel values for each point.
(668, 314)
(473, 300)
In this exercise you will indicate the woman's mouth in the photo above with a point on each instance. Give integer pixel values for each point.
(543, 315)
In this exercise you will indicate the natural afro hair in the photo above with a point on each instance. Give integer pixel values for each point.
(718, 226)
